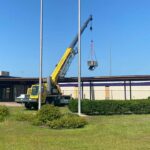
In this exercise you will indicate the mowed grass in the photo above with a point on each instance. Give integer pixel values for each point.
(124, 132)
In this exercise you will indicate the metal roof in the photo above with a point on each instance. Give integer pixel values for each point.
(16, 79)
(83, 79)
(107, 78)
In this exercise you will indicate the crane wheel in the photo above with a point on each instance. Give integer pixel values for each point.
(28, 106)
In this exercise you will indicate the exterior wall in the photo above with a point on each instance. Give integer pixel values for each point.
(109, 90)
(116, 90)
(6, 92)
(9, 91)
(98, 92)
(69, 89)
(86, 92)
(140, 91)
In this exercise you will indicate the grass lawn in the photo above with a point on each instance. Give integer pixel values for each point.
(124, 132)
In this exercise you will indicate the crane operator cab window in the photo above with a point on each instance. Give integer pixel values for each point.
(35, 90)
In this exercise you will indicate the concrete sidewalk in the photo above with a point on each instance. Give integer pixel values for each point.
(13, 104)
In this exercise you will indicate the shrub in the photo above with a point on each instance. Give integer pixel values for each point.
(55, 124)
(73, 121)
(109, 107)
(48, 113)
(4, 111)
(50, 116)
(68, 121)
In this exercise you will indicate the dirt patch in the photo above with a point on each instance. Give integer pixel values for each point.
(14, 104)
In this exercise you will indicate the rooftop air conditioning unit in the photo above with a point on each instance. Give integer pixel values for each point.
(4, 73)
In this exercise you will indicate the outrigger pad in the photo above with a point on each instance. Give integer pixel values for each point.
(92, 65)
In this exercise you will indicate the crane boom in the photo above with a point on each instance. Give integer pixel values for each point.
(74, 42)
(66, 59)
(51, 92)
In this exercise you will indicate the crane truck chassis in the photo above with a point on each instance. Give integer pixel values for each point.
(30, 100)
(51, 92)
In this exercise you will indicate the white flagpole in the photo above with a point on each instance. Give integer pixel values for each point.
(79, 57)
(41, 53)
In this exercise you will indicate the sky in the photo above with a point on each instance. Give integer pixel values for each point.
(121, 31)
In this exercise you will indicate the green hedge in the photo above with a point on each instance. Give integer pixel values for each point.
(109, 107)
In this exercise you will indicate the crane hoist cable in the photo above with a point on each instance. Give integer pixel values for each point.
(92, 63)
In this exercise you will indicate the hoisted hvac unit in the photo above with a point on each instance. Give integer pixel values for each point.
(92, 62)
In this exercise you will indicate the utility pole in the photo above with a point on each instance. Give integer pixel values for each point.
(41, 53)
(79, 57)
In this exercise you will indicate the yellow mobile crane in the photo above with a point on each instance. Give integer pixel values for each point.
(51, 92)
